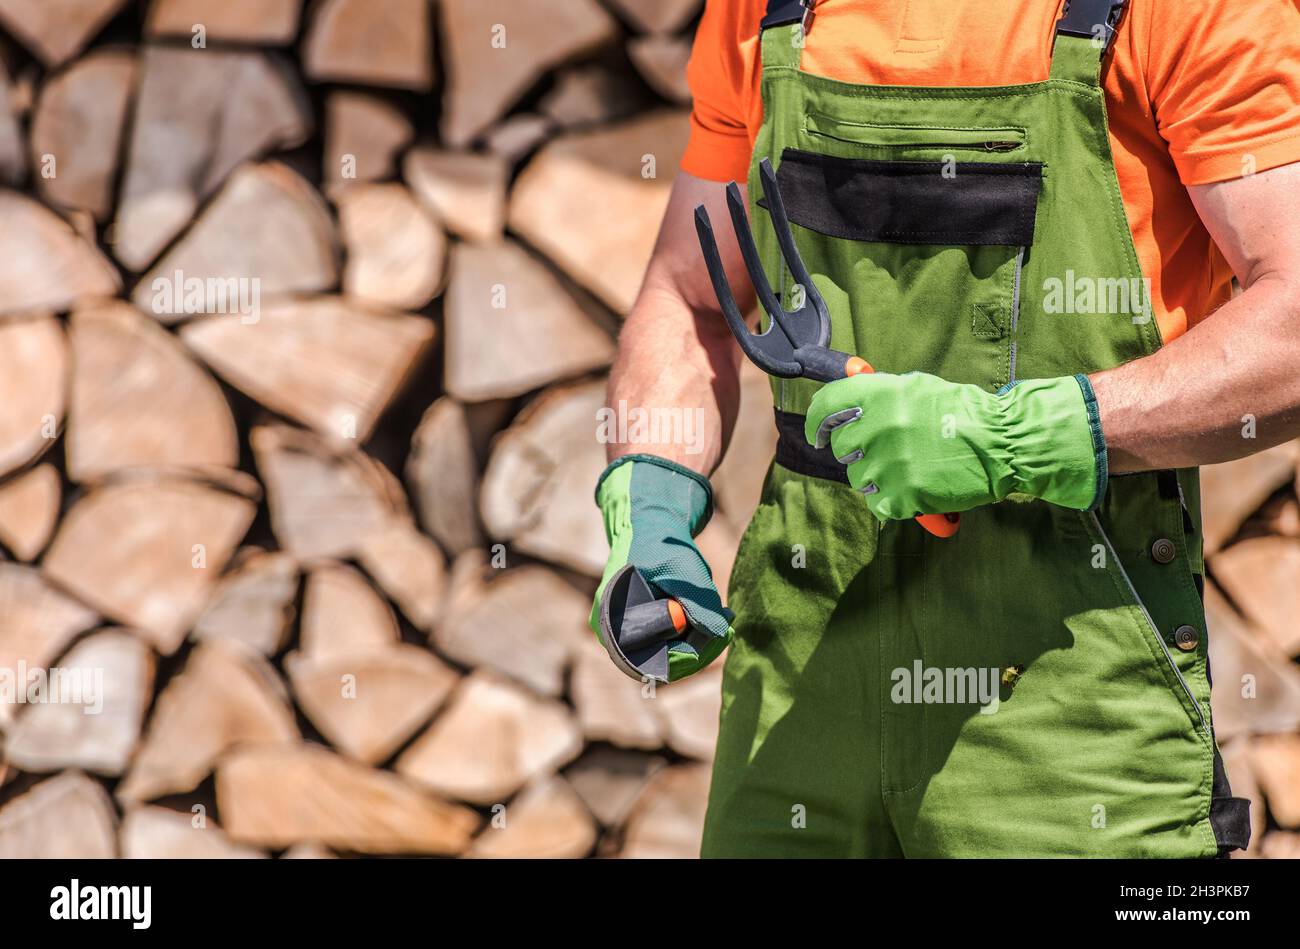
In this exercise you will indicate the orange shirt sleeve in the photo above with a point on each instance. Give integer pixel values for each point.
(720, 77)
(1223, 78)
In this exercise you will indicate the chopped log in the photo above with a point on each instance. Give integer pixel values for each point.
(343, 616)
(1280, 516)
(67, 817)
(395, 249)
(267, 234)
(492, 738)
(159, 833)
(499, 625)
(327, 362)
(56, 30)
(148, 553)
(29, 507)
(90, 716)
(547, 821)
(447, 456)
(1281, 845)
(161, 410)
(467, 191)
(44, 263)
(667, 820)
(610, 706)
(1234, 490)
(511, 327)
(658, 16)
(517, 137)
(1260, 576)
(78, 129)
(609, 781)
(253, 604)
(688, 713)
(536, 493)
(410, 569)
(592, 201)
(226, 696)
(1257, 690)
(717, 544)
(498, 49)
(33, 380)
(13, 153)
(1275, 760)
(200, 114)
(363, 135)
(369, 703)
(273, 797)
(592, 94)
(39, 623)
(372, 42)
(324, 503)
(259, 22)
(661, 61)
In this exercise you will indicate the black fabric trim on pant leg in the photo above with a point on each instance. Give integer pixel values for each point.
(1229, 816)
(911, 202)
(781, 13)
(795, 454)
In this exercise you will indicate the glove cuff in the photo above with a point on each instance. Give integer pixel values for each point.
(1060, 452)
(662, 486)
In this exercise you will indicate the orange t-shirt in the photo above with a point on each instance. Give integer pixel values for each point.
(1198, 91)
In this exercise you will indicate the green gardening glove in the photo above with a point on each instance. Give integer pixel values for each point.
(916, 444)
(653, 509)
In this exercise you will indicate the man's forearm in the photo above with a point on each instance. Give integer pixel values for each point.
(1227, 389)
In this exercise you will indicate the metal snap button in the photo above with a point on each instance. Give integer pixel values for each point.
(1163, 550)
(1186, 638)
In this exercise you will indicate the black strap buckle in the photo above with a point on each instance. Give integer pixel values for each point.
(783, 13)
(1092, 20)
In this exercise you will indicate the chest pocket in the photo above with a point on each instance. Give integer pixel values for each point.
(922, 243)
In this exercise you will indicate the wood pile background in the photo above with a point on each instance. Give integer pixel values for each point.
(304, 314)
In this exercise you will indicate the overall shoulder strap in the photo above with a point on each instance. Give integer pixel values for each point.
(781, 32)
(1084, 34)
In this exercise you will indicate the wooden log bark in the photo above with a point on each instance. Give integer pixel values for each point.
(497, 49)
(270, 797)
(67, 817)
(492, 739)
(225, 696)
(78, 129)
(163, 410)
(328, 362)
(200, 114)
(592, 201)
(147, 553)
(29, 507)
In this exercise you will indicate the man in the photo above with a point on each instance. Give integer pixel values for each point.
(1027, 219)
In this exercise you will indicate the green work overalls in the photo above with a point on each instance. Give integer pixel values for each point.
(852, 724)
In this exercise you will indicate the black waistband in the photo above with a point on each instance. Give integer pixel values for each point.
(794, 453)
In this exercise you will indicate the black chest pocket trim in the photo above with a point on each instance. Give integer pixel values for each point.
(911, 202)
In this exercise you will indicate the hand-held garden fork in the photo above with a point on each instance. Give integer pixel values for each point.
(795, 343)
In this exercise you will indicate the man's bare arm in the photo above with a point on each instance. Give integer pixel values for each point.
(1196, 400)
(675, 351)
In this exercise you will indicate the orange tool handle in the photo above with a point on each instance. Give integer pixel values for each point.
(940, 525)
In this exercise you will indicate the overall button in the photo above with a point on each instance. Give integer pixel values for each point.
(1186, 638)
(1163, 550)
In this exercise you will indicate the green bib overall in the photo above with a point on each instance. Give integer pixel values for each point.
(1038, 684)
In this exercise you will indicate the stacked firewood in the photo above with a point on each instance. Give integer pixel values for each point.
(304, 316)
